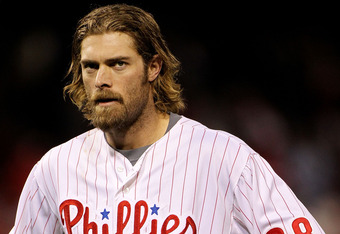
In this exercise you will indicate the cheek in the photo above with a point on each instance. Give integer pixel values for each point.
(85, 79)
(87, 86)
(139, 91)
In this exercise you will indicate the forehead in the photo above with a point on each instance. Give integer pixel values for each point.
(106, 45)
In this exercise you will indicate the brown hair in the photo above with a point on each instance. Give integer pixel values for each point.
(148, 39)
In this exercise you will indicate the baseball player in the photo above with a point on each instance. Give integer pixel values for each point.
(144, 168)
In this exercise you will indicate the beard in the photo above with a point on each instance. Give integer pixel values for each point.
(120, 115)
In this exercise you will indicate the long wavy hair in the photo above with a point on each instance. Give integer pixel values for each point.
(142, 27)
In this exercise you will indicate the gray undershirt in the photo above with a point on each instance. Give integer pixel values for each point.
(134, 154)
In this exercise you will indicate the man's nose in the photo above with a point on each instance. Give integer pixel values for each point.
(103, 78)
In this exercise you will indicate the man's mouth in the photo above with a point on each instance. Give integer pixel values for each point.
(106, 98)
(106, 101)
(103, 100)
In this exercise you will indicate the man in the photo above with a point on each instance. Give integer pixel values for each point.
(144, 168)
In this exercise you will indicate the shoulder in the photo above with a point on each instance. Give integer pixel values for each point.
(219, 137)
(68, 151)
(221, 144)
(74, 145)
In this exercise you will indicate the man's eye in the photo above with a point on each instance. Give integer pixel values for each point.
(91, 66)
(120, 65)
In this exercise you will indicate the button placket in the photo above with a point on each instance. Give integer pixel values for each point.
(127, 175)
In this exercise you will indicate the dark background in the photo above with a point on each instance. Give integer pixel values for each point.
(269, 74)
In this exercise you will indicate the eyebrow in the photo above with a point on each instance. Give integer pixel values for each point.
(107, 61)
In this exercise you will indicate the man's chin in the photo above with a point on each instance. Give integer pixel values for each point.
(106, 119)
(106, 125)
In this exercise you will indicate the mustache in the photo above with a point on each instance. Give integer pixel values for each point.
(105, 95)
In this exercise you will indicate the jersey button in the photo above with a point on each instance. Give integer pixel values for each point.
(120, 169)
(126, 190)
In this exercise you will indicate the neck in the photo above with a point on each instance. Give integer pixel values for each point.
(149, 128)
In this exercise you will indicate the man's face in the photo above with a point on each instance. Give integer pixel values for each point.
(115, 80)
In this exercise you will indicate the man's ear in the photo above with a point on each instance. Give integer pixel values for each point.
(154, 68)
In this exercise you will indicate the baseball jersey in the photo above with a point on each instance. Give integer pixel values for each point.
(192, 180)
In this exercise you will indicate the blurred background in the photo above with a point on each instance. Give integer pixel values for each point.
(269, 74)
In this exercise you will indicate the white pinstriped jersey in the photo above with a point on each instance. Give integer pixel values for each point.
(192, 180)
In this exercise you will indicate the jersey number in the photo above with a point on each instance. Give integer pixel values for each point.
(297, 224)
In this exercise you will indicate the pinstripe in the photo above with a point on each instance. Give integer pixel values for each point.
(196, 180)
(174, 168)
(106, 180)
(58, 176)
(51, 177)
(148, 184)
(136, 185)
(207, 181)
(48, 218)
(87, 168)
(29, 225)
(78, 164)
(160, 179)
(218, 178)
(67, 167)
(46, 184)
(95, 181)
(186, 168)
(241, 211)
(36, 217)
(114, 168)
(34, 194)
(232, 168)
(252, 211)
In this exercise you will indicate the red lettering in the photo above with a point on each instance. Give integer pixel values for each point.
(141, 214)
(189, 222)
(65, 206)
(297, 228)
(275, 231)
(164, 229)
(153, 226)
(105, 229)
(87, 225)
(138, 224)
(121, 223)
